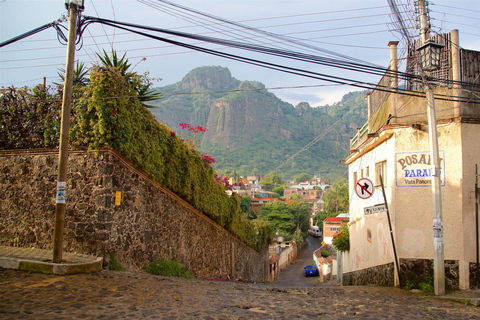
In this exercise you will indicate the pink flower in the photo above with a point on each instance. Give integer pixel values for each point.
(173, 134)
(184, 125)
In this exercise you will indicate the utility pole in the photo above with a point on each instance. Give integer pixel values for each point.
(438, 245)
(74, 7)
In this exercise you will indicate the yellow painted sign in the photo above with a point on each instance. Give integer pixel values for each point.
(118, 198)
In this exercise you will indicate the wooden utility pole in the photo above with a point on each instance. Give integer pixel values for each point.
(64, 130)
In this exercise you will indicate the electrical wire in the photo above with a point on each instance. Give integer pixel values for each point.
(255, 30)
(281, 53)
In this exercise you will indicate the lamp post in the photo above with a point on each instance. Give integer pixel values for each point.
(430, 61)
(74, 7)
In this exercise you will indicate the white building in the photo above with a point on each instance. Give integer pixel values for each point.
(394, 145)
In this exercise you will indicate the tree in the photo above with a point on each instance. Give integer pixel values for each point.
(280, 190)
(336, 198)
(245, 203)
(301, 178)
(271, 181)
(287, 217)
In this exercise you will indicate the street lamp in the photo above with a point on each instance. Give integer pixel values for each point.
(430, 61)
(430, 55)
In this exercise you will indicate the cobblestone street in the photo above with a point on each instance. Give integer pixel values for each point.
(128, 295)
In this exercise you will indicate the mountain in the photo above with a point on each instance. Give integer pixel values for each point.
(252, 131)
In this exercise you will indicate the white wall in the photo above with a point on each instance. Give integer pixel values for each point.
(366, 253)
(410, 205)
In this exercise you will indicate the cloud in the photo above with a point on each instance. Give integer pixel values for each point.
(316, 97)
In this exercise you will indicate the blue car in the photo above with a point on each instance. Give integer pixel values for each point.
(311, 271)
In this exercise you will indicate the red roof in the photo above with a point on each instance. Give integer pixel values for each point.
(334, 219)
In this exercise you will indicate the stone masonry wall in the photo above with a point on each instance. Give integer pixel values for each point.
(421, 270)
(150, 222)
(382, 275)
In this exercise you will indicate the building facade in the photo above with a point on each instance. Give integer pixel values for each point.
(393, 148)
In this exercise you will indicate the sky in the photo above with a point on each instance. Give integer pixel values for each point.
(355, 29)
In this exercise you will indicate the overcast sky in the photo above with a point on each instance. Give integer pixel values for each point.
(353, 28)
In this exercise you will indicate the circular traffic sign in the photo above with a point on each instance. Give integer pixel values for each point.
(364, 188)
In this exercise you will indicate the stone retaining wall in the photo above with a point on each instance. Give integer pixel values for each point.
(413, 270)
(421, 270)
(150, 222)
(382, 275)
(473, 276)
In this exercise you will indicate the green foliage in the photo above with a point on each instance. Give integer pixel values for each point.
(114, 264)
(30, 118)
(341, 240)
(302, 177)
(170, 268)
(336, 198)
(108, 113)
(141, 84)
(424, 282)
(271, 181)
(326, 253)
(264, 233)
(409, 285)
(80, 75)
(299, 237)
(425, 286)
(280, 190)
(287, 217)
(245, 203)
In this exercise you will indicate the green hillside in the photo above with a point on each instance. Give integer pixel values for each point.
(252, 131)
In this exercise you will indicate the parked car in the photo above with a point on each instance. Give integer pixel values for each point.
(311, 271)
(315, 231)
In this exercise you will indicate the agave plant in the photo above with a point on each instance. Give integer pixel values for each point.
(80, 75)
(141, 84)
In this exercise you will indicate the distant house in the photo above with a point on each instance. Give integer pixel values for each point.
(309, 195)
(332, 225)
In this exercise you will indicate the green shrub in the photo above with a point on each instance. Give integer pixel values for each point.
(170, 268)
(114, 264)
(409, 285)
(425, 287)
(326, 253)
(341, 240)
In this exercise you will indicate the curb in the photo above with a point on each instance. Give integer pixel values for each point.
(50, 267)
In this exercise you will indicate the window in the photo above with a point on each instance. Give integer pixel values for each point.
(354, 178)
(381, 170)
(334, 229)
(361, 173)
(368, 172)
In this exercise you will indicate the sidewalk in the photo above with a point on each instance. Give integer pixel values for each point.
(464, 296)
(39, 260)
